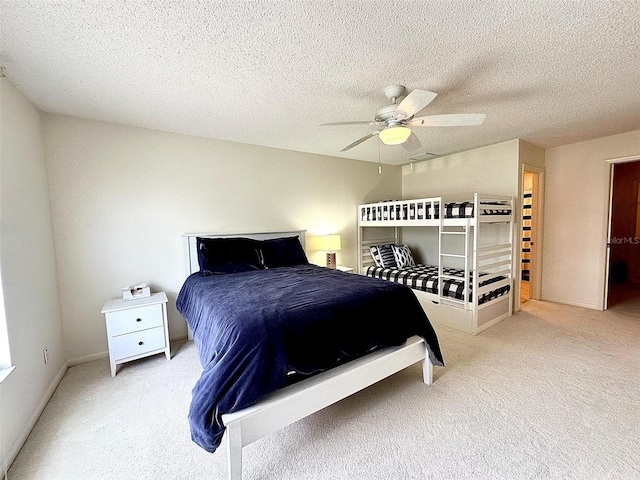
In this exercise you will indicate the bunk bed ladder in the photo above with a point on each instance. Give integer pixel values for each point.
(444, 231)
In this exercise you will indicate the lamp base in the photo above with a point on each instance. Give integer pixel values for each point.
(331, 260)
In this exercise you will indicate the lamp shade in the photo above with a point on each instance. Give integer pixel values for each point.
(330, 243)
(395, 135)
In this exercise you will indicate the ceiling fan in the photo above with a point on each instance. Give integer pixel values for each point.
(395, 119)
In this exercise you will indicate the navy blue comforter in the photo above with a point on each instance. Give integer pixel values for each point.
(253, 329)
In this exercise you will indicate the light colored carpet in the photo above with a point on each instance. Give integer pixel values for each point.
(550, 393)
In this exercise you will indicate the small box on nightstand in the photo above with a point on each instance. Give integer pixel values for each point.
(134, 292)
(136, 328)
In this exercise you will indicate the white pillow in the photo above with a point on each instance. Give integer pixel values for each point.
(403, 256)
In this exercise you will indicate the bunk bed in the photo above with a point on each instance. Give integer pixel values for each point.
(470, 286)
(280, 339)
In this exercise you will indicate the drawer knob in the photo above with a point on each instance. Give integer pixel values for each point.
(140, 343)
(138, 319)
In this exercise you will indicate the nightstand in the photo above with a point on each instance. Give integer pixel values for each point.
(344, 269)
(136, 328)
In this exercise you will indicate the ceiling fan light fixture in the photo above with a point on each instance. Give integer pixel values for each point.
(395, 135)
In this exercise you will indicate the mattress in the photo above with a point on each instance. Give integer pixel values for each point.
(425, 278)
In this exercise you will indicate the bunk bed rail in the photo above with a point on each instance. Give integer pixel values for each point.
(496, 262)
(493, 208)
(483, 208)
(399, 212)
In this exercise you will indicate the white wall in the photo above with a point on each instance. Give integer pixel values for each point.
(530, 155)
(29, 280)
(492, 169)
(122, 197)
(576, 218)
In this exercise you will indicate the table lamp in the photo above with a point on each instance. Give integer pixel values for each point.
(330, 244)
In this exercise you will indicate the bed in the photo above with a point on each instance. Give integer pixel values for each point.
(279, 338)
(425, 278)
(467, 282)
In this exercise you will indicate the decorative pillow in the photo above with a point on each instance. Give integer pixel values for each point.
(383, 255)
(403, 256)
(283, 252)
(217, 256)
(375, 254)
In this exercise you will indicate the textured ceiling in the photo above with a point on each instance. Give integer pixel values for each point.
(269, 72)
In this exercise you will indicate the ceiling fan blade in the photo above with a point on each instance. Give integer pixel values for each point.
(359, 141)
(413, 103)
(364, 122)
(448, 120)
(412, 143)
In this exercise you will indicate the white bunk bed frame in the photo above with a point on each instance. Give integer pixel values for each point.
(496, 259)
(292, 403)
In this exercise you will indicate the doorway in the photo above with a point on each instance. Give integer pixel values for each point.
(531, 233)
(525, 258)
(624, 237)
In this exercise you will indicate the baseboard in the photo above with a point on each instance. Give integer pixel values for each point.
(88, 358)
(575, 304)
(24, 434)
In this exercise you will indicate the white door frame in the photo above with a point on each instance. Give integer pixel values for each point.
(536, 251)
(612, 162)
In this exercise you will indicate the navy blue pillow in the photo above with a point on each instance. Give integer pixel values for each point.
(283, 252)
(217, 256)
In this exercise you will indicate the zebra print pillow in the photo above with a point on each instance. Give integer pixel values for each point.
(403, 256)
(383, 255)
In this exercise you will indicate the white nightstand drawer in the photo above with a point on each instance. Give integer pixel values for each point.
(141, 318)
(137, 343)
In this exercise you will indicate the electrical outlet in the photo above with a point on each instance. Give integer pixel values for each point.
(45, 354)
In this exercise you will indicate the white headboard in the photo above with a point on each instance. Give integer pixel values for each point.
(191, 248)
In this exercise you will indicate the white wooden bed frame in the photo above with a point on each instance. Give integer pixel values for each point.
(292, 403)
(497, 259)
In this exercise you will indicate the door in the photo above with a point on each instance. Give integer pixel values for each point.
(622, 283)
